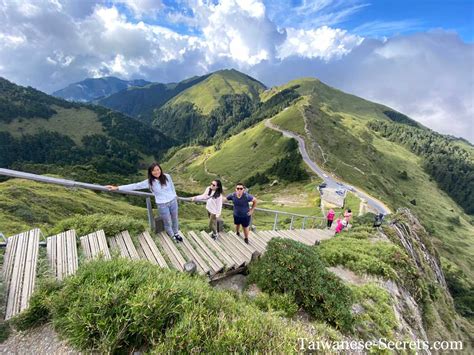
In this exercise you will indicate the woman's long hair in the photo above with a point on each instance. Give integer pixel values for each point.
(218, 190)
(162, 179)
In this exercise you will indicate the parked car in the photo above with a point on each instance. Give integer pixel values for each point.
(340, 192)
(323, 185)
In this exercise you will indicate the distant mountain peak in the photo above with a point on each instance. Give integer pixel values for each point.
(94, 88)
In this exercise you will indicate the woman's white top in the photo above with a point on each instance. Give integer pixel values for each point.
(213, 205)
(163, 194)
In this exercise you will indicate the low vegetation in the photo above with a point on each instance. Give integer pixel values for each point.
(289, 267)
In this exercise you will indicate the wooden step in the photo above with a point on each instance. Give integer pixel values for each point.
(19, 270)
(149, 251)
(301, 237)
(216, 248)
(124, 244)
(193, 255)
(260, 243)
(172, 251)
(229, 249)
(238, 243)
(250, 249)
(95, 244)
(206, 254)
(62, 254)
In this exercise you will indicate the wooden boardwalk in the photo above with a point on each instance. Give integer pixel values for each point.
(213, 259)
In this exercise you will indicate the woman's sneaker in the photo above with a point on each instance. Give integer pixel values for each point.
(214, 236)
(177, 238)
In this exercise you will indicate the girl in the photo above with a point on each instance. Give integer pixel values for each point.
(161, 185)
(339, 226)
(330, 217)
(213, 196)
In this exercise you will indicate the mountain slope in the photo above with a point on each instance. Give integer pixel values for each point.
(205, 96)
(93, 88)
(36, 128)
(140, 102)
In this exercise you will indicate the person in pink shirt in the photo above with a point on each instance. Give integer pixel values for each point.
(213, 196)
(339, 226)
(348, 216)
(330, 217)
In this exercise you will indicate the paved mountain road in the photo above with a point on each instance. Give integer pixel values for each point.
(331, 182)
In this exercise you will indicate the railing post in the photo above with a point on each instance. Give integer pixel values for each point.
(304, 222)
(149, 208)
(276, 221)
(291, 224)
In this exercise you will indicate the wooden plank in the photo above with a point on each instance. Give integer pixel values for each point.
(86, 247)
(154, 250)
(260, 243)
(127, 240)
(214, 268)
(102, 242)
(230, 249)
(215, 263)
(174, 262)
(71, 252)
(146, 249)
(93, 244)
(9, 261)
(114, 245)
(13, 305)
(141, 253)
(195, 255)
(189, 257)
(59, 255)
(245, 254)
(48, 254)
(250, 249)
(174, 250)
(30, 268)
(221, 253)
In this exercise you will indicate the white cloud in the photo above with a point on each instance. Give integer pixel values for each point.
(325, 42)
(49, 44)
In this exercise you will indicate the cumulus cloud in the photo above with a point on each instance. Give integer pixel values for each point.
(50, 43)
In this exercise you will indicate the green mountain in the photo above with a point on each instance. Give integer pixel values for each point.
(367, 145)
(140, 102)
(39, 130)
(93, 88)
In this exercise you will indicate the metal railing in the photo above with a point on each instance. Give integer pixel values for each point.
(148, 195)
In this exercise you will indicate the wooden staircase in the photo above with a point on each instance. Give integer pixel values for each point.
(214, 259)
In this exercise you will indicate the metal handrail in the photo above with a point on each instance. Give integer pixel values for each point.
(147, 195)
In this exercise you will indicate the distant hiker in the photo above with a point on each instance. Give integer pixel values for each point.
(339, 226)
(242, 212)
(213, 196)
(378, 220)
(161, 185)
(330, 217)
(348, 216)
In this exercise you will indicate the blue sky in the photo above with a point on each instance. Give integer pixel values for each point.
(414, 56)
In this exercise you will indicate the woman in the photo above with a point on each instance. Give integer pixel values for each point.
(348, 216)
(161, 185)
(330, 217)
(213, 196)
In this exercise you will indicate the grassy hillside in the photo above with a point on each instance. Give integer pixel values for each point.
(140, 102)
(205, 95)
(341, 139)
(36, 128)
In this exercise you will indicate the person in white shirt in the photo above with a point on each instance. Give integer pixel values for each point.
(213, 196)
(161, 185)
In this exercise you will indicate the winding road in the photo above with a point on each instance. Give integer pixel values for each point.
(330, 181)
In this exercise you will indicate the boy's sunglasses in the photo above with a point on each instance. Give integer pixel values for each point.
(239, 188)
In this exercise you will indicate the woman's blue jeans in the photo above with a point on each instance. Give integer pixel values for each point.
(169, 214)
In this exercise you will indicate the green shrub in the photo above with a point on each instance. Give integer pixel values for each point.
(281, 303)
(38, 311)
(296, 269)
(111, 224)
(377, 320)
(120, 305)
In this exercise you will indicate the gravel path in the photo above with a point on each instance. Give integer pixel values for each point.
(40, 340)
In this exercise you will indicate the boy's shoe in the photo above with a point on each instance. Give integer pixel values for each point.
(246, 240)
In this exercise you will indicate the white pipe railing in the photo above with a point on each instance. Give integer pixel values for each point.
(146, 195)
